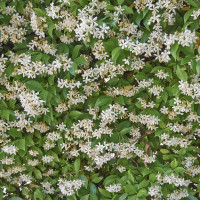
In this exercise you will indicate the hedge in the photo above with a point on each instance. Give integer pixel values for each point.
(100, 99)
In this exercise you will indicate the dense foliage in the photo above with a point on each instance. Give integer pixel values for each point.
(100, 99)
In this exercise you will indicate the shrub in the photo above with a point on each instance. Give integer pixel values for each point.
(100, 99)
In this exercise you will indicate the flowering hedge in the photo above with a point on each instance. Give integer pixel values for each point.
(100, 99)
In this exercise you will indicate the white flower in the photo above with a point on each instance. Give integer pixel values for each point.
(10, 149)
(47, 188)
(154, 190)
(47, 159)
(121, 168)
(7, 161)
(69, 187)
(161, 74)
(114, 188)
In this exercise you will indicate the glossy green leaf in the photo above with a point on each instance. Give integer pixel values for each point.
(81, 61)
(120, 2)
(21, 144)
(102, 100)
(179, 169)
(38, 174)
(181, 74)
(174, 49)
(127, 10)
(75, 114)
(77, 163)
(97, 179)
(105, 193)
(142, 192)
(76, 51)
(193, 3)
(15, 198)
(34, 85)
(50, 29)
(115, 54)
(174, 163)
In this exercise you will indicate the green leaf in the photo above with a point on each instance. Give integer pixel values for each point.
(146, 20)
(39, 12)
(130, 189)
(97, 179)
(127, 10)
(152, 177)
(130, 176)
(181, 74)
(93, 197)
(193, 3)
(28, 140)
(192, 198)
(45, 58)
(73, 69)
(76, 50)
(110, 44)
(93, 188)
(102, 100)
(38, 174)
(9, 70)
(1, 193)
(20, 7)
(174, 49)
(86, 197)
(81, 61)
(182, 152)
(115, 54)
(155, 69)
(141, 76)
(50, 29)
(15, 198)
(12, 103)
(55, 155)
(188, 14)
(124, 131)
(179, 169)
(164, 151)
(174, 163)
(138, 18)
(51, 80)
(34, 85)
(142, 192)
(75, 114)
(161, 124)
(37, 57)
(77, 164)
(160, 169)
(84, 178)
(119, 100)
(164, 96)
(14, 133)
(38, 194)
(5, 114)
(145, 11)
(105, 193)
(21, 144)
(123, 197)
(108, 180)
(3, 5)
(83, 2)
(143, 184)
(198, 67)
(120, 2)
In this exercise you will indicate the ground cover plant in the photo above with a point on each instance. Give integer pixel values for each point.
(100, 100)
